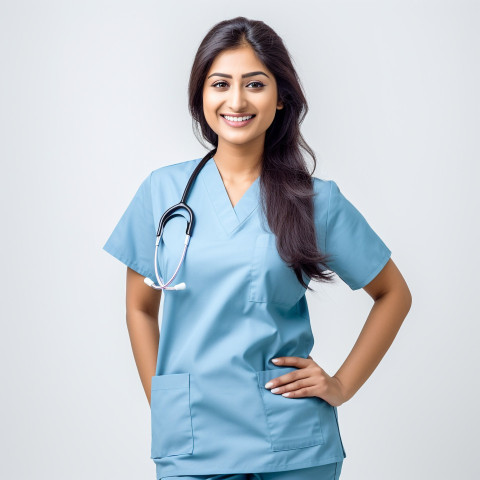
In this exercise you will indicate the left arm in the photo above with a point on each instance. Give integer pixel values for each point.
(392, 303)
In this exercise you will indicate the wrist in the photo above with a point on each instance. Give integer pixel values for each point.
(343, 389)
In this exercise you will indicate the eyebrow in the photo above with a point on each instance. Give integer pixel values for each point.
(251, 74)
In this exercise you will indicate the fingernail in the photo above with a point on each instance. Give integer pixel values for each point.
(275, 360)
(268, 385)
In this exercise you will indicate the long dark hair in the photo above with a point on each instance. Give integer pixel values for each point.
(286, 185)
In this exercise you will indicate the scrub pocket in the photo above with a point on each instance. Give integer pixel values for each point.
(271, 279)
(172, 432)
(291, 422)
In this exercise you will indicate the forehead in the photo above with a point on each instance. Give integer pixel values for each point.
(237, 61)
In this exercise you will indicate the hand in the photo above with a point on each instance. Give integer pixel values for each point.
(310, 380)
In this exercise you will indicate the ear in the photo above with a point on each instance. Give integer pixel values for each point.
(279, 105)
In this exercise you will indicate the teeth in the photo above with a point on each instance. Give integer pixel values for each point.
(237, 119)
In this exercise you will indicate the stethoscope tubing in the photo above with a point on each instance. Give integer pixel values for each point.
(168, 214)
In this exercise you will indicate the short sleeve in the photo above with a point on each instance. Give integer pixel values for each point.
(357, 253)
(133, 238)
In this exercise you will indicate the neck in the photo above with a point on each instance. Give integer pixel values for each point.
(239, 162)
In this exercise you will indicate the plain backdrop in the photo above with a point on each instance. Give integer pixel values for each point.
(94, 96)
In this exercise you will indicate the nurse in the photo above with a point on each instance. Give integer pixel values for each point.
(264, 229)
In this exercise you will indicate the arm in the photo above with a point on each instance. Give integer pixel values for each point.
(392, 303)
(142, 322)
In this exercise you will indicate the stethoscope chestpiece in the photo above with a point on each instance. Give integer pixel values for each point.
(151, 283)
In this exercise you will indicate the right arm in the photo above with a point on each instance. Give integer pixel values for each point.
(142, 307)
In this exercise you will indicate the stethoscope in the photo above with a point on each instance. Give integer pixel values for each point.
(165, 218)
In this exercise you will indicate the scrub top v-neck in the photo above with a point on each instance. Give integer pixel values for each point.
(242, 306)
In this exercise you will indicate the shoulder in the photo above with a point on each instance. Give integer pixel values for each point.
(322, 187)
(175, 170)
(171, 178)
(323, 191)
(168, 181)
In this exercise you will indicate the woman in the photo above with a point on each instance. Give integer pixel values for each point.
(263, 229)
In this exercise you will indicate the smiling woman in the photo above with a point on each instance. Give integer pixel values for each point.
(265, 228)
(241, 111)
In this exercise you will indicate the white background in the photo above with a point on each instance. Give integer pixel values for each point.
(94, 96)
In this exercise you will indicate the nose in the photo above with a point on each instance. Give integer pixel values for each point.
(237, 101)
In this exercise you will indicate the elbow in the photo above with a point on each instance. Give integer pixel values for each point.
(404, 299)
(409, 300)
(406, 295)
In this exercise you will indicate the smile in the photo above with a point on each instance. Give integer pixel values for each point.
(237, 121)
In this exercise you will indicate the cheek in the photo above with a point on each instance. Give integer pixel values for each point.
(209, 112)
(269, 115)
(208, 105)
(269, 107)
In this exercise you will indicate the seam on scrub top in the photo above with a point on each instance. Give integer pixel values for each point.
(250, 214)
(265, 413)
(328, 214)
(328, 460)
(238, 227)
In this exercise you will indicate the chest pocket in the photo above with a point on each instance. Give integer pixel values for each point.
(271, 279)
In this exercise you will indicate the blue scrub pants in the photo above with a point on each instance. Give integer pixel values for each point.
(330, 471)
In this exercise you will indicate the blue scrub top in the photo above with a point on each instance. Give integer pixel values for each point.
(243, 306)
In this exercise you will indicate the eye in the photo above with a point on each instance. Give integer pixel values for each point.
(221, 83)
(258, 83)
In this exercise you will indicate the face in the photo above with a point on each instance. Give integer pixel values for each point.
(238, 84)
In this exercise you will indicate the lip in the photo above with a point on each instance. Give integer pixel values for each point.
(237, 114)
(237, 124)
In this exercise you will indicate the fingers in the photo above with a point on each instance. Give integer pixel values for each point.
(289, 379)
(292, 361)
(291, 389)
